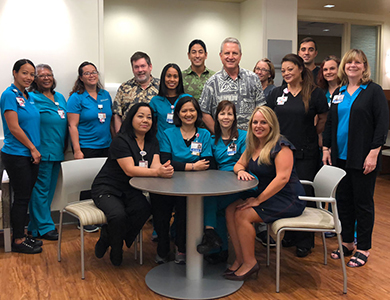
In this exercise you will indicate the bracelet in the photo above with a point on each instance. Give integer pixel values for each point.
(192, 168)
(240, 170)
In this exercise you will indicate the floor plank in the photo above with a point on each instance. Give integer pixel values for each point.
(43, 277)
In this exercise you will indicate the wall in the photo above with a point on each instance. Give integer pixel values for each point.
(61, 33)
(163, 29)
(362, 19)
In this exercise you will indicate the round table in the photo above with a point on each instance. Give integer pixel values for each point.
(194, 280)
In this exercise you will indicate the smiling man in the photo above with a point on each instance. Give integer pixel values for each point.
(308, 52)
(197, 74)
(240, 86)
(141, 88)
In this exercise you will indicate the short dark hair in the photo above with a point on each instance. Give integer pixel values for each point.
(138, 55)
(197, 42)
(307, 40)
(19, 63)
(179, 105)
(163, 90)
(34, 87)
(127, 125)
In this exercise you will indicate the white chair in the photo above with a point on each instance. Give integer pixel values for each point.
(76, 176)
(314, 219)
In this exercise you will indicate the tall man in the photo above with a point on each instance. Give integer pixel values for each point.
(240, 86)
(308, 52)
(141, 88)
(197, 74)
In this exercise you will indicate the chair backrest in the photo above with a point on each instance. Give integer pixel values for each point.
(326, 181)
(75, 176)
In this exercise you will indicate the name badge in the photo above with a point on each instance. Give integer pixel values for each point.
(143, 163)
(338, 99)
(102, 117)
(61, 113)
(232, 149)
(281, 100)
(196, 148)
(170, 118)
(20, 101)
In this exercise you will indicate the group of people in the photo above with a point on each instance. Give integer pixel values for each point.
(233, 120)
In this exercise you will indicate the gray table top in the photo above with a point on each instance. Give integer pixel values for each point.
(198, 183)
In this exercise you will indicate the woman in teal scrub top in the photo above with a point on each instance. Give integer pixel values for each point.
(20, 153)
(52, 109)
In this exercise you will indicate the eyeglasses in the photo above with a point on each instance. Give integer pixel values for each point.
(262, 70)
(90, 73)
(45, 76)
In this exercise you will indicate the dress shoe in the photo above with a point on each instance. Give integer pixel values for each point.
(216, 258)
(288, 243)
(211, 241)
(303, 252)
(234, 277)
(52, 235)
(229, 271)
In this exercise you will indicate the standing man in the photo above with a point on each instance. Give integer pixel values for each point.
(141, 88)
(197, 74)
(308, 52)
(240, 86)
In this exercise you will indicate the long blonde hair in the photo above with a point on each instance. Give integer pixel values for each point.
(252, 143)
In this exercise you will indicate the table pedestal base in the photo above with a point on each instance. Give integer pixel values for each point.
(170, 280)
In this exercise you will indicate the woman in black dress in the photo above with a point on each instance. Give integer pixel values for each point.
(270, 157)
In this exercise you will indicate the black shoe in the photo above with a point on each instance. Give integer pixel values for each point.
(262, 238)
(303, 252)
(216, 258)
(52, 235)
(211, 241)
(90, 228)
(33, 241)
(288, 243)
(26, 247)
(330, 234)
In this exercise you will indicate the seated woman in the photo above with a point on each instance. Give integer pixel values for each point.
(133, 152)
(270, 157)
(228, 146)
(189, 149)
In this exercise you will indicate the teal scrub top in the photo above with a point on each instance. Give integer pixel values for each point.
(28, 118)
(53, 126)
(93, 133)
(161, 107)
(173, 142)
(224, 161)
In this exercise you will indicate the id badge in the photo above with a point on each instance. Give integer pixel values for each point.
(102, 117)
(170, 118)
(196, 148)
(281, 100)
(143, 163)
(20, 101)
(232, 149)
(338, 99)
(61, 113)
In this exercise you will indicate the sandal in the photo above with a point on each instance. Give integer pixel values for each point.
(337, 255)
(354, 260)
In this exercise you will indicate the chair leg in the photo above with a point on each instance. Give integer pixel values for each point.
(342, 263)
(325, 251)
(136, 247)
(278, 240)
(7, 240)
(141, 258)
(268, 231)
(82, 250)
(60, 237)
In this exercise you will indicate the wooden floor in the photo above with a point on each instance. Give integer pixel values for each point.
(42, 277)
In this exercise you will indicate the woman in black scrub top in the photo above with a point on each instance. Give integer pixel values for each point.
(296, 105)
(133, 152)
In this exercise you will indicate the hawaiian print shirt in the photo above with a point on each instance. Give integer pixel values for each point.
(193, 84)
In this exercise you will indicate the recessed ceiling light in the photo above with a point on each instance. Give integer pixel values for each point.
(329, 6)
(326, 29)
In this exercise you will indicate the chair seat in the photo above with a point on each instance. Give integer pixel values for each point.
(87, 212)
(310, 218)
